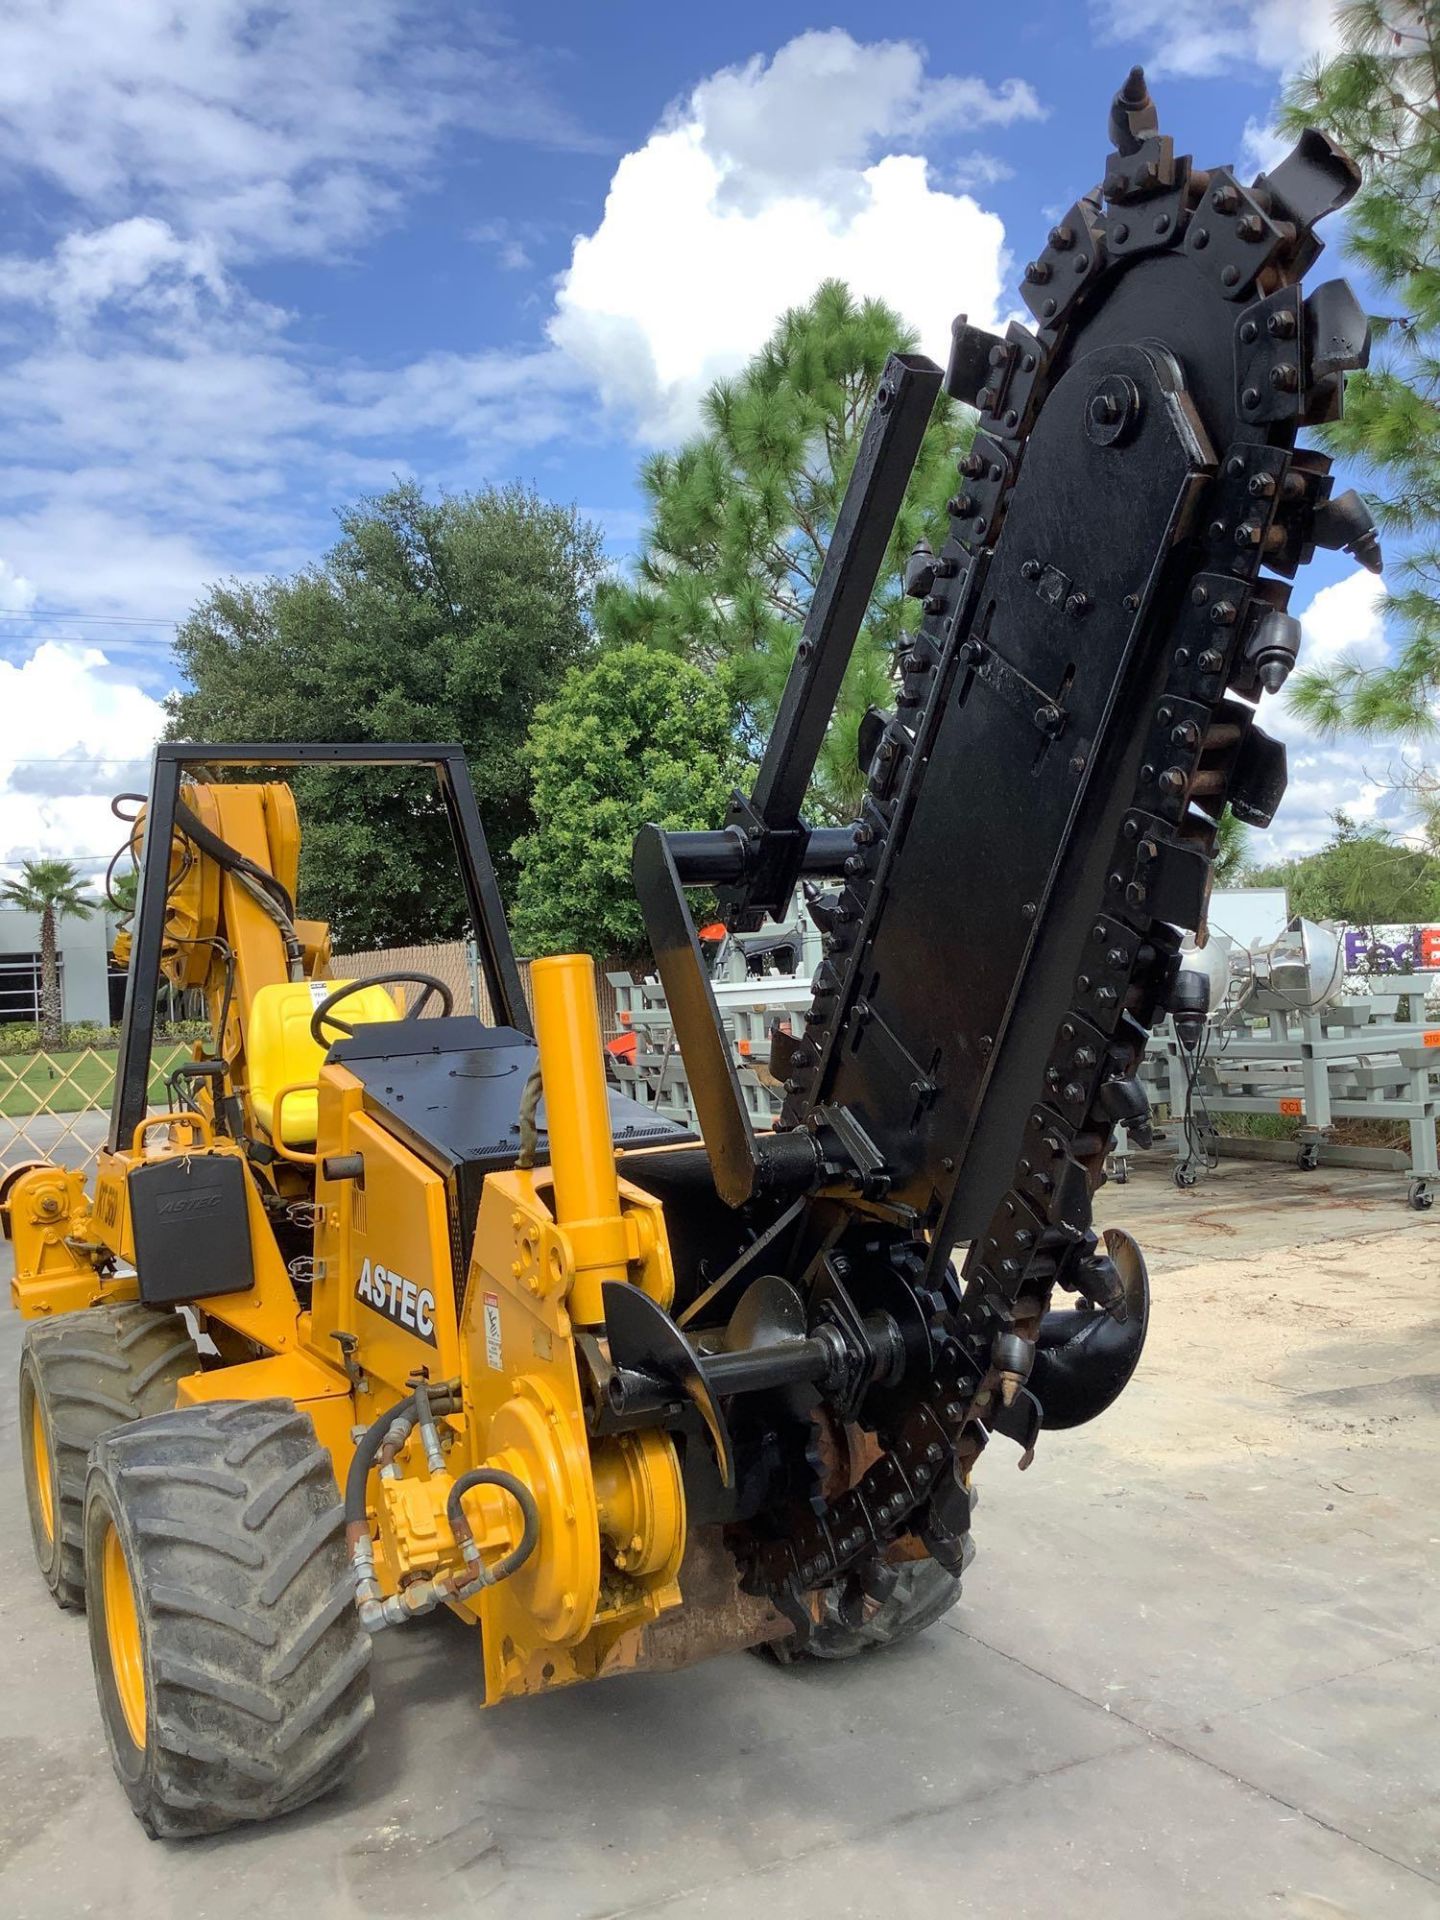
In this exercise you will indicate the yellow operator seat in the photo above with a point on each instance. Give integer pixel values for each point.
(281, 1051)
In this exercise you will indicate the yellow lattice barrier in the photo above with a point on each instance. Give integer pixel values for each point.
(56, 1106)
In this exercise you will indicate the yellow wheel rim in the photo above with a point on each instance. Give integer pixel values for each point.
(122, 1633)
(40, 1452)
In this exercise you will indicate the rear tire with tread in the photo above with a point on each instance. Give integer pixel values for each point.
(256, 1667)
(82, 1374)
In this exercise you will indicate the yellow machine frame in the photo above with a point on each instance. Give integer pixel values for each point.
(612, 1518)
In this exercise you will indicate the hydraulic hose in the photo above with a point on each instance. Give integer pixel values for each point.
(379, 1444)
(495, 1477)
(224, 855)
(294, 950)
(529, 1124)
(263, 887)
(442, 1398)
(363, 1460)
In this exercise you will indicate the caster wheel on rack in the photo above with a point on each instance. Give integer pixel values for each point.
(1308, 1159)
(1184, 1177)
(1421, 1198)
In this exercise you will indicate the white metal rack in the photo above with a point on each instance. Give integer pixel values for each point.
(1372, 1057)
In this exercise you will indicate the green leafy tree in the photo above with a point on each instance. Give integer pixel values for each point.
(633, 736)
(1361, 876)
(1380, 97)
(741, 516)
(429, 620)
(50, 889)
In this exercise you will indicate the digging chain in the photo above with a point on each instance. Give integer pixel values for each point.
(1260, 507)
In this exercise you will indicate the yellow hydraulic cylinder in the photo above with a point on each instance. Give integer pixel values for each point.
(577, 1119)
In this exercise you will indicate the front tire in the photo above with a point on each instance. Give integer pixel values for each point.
(232, 1669)
(80, 1375)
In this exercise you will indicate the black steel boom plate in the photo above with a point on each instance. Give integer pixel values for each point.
(1037, 735)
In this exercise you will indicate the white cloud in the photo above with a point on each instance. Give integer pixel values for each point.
(157, 466)
(165, 426)
(141, 263)
(1287, 33)
(766, 180)
(1324, 780)
(168, 427)
(1262, 147)
(510, 239)
(1201, 39)
(807, 121)
(82, 733)
(1341, 622)
(977, 169)
(285, 128)
(17, 594)
(1345, 622)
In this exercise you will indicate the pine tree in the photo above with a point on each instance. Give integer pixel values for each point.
(740, 518)
(1381, 99)
(1362, 876)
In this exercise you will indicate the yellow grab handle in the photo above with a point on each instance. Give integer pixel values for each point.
(295, 1155)
(203, 1136)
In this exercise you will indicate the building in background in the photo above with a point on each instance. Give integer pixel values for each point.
(85, 975)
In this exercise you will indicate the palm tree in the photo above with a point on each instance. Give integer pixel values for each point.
(50, 889)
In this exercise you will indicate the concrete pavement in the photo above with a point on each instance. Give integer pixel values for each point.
(69, 1139)
(1194, 1674)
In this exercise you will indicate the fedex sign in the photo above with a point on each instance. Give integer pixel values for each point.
(1392, 949)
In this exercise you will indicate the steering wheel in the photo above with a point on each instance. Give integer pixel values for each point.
(430, 989)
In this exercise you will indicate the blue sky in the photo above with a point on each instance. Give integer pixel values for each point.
(256, 261)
